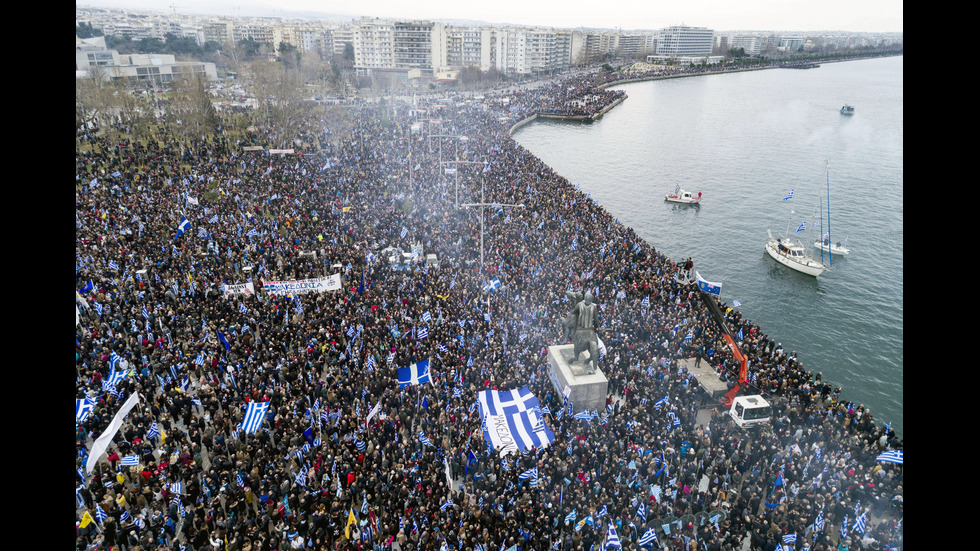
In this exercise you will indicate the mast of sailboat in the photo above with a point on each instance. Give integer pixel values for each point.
(821, 231)
(830, 239)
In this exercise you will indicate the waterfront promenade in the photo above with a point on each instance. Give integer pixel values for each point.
(323, 361)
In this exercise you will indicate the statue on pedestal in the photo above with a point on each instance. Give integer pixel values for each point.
(580, 326)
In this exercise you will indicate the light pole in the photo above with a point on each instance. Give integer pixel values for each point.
(456, 173)
(464, 138)
(483, 204)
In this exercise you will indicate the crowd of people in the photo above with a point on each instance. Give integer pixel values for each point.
(168, 231)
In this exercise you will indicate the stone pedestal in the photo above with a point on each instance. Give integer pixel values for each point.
(585, 390)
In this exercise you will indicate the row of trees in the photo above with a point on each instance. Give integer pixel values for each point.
(112, 107)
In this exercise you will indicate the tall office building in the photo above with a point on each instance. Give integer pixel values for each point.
(683, 41)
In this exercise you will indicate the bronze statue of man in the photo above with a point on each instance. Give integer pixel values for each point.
(580, 326)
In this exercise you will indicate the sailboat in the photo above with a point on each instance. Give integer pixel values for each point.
(826, 245)
(793, 254)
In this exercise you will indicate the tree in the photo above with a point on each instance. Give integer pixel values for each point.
(190, 103)
(85, 30)
(289, 55)
(95, 98)
(279, 92)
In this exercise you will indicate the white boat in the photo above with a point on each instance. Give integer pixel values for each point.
(793, 255)
(835, 248)
(847, 110)
(685, 197)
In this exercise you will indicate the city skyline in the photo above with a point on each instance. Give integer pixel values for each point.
(772, 15)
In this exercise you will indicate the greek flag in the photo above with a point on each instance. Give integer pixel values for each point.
(492, 285)
(802, 227)
(423, 333)
(843, 528)
(649, 537)
(425, 439)
(113, 266)
(83, 408)
(100, 515)
(789, 538)
(641, 512)
(532, 473)
(154, 431)
(895, 456)
(404, 232)
(391, 358)
(130, 461)
(570, 517)
(182, 227)
(252, 233)
(449, 503)
(176, 488)
(415, 374)
(426, 317)
(612, 539)
(789, 195)
(254, 416)
(646, 302)
(860, 523)
(513, 421)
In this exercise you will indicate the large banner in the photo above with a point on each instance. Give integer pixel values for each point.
(318, 285)
(238, 289)
(513, 421)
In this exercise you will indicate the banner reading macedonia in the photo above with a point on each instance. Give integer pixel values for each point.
(318, 285)
(513, 421)
(238, 289)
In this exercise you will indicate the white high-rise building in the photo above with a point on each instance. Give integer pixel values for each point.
(683, 41)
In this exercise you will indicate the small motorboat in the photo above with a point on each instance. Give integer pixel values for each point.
(685, 197)
(847, 110)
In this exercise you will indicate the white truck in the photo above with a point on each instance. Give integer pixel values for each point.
(750, 411)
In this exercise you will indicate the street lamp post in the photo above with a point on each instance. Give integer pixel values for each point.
(483, 204)
(464, 138)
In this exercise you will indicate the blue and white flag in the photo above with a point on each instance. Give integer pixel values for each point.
(641, 512)
(492, 285)
(513, 421)
(646, 302)
(182, 227)
(570, 517)
(789, 195)
(531, 473)
(254, 416)
(649, 537)
(860, 523)
(449, 503)
(612, 539)
(154, 431)
(130, 461)
(736, 303)
(707, 286)
(802, 227)
(423, 333)
(894, 456)
(415, 374)
(83, 408)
